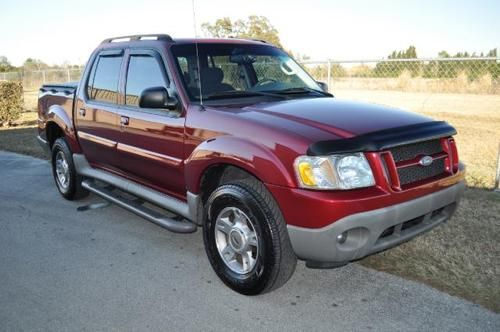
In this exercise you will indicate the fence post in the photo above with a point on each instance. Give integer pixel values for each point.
(43, 76)
(497, 178)
(329, 74)
(68, 74)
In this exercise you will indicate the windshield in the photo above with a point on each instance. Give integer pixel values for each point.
(241, 70)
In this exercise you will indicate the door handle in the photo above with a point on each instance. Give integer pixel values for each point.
(82, 111)
(124, 120)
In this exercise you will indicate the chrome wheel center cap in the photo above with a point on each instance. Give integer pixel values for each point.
(237, 240)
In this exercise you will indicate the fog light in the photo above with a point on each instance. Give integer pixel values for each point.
(342, 237)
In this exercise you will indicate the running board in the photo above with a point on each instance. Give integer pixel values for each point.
(134, 206)
(188, 210)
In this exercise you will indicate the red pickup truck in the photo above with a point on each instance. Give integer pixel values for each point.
(235, 137)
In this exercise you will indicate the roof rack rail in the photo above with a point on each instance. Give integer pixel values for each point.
(260, 40)
(253, 39)
(158, 36)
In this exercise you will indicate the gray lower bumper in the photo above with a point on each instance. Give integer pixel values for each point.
(376, 230)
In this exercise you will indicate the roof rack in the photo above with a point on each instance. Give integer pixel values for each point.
(260, 40)
(158, 36)
(253, 39)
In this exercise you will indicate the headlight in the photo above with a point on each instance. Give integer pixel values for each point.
(347, 171)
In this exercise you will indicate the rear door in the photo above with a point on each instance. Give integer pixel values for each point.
(97, 109)
(151, 143)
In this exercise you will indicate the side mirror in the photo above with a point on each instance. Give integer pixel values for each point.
(323, 86)
(157, 97)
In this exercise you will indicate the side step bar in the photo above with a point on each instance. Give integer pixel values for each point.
(140, 210)
(187, 209)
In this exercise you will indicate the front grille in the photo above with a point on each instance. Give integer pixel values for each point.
(410, 151)
(414, 173)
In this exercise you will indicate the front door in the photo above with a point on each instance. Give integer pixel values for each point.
(150, 147)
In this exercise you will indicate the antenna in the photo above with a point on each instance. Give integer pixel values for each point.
(197, 55)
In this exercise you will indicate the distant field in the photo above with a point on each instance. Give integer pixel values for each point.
(476, 117)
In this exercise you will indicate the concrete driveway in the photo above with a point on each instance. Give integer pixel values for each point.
(106, 269)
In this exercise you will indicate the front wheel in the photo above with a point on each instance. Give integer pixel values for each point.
(246, 238)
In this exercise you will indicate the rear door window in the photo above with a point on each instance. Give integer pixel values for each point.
(103, 86)
(144, 72)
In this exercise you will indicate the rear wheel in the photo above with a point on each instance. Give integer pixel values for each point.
(67, 180)
(246, 238)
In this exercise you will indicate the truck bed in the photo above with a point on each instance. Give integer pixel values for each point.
(52, 97)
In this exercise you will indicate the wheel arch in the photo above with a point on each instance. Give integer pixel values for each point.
(59, 124)
(212, 158)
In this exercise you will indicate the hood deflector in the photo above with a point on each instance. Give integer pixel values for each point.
(383, 139)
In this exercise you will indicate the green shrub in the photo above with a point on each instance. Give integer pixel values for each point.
(11, 102)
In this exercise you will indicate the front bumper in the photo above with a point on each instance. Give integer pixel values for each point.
(375, 230)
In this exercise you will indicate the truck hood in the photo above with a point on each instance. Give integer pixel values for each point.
(341, 118)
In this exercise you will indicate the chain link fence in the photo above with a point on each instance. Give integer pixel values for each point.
(440, 75)
(32, 80)
(448, 75)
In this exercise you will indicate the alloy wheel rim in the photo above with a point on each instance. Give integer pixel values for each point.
(236, 240)
(62, 170)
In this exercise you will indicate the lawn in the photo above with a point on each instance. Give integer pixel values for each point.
(461, 257)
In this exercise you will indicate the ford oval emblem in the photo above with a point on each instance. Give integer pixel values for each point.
(425, 160)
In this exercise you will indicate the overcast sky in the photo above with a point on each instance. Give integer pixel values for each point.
(58, 31)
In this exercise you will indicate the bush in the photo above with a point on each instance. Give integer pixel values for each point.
(11, 102)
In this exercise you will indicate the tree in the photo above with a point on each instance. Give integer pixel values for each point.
(410, 53)
(222, 28)
(5, 64)
(34, 64)
(443, 54)
(396, 68)
(254, 27)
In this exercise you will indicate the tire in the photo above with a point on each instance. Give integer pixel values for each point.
(270, 260)
(68, 182)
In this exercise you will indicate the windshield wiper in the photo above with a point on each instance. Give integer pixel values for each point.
(301, 90)
(242, 93)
